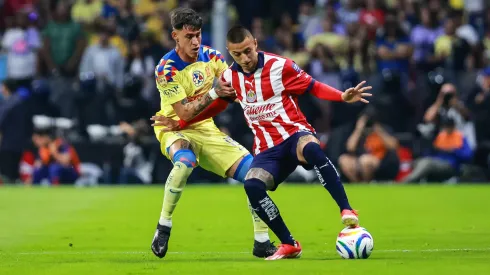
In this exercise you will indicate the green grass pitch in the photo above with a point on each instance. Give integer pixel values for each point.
(108, 230)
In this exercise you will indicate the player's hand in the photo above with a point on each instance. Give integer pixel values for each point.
(357, 93)
(53, 149)
(224, 89)
(169, 124)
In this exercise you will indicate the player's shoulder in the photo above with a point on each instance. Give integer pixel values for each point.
(268, 56)
(287, 63)
(169, 66)
(209, 54)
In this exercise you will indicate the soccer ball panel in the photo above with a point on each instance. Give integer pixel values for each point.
(354, 243)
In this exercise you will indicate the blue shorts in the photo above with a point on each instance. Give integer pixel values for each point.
(281, 160)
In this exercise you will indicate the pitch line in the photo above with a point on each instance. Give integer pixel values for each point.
(435, 250)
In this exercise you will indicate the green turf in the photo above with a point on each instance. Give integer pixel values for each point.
(110, 229)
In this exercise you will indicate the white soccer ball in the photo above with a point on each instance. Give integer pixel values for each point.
(355, 243)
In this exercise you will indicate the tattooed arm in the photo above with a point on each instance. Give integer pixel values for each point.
(187, 110)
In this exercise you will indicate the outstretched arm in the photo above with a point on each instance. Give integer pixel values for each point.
(296, 81)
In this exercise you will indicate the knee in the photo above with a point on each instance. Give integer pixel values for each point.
(309, 145)
(259, 175)
(368, 162)
(254, 185)
(346, 161)
(243, 168)
(185, 156)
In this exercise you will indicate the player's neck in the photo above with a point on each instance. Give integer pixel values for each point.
(184, 56)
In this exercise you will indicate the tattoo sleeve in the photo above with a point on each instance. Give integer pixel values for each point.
(197, 106)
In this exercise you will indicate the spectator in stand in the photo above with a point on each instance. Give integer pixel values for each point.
(450, 150)
(105, 61)
(328, 47)
(448, 104)
(393, 48)
(371, 152)
(106, 64)
(479, 104)
(21, 44)
(452, 50)
(86, 11)
(63, 46)
(372, 18)
(57, 161)
(423, 37)
(264, 41)
(110, 27)
(15, 128)
(127, 24)
(349, 12)
(64, 43)
(141, 65)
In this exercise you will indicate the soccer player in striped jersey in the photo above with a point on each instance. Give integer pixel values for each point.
(267, 87)
(184, 78)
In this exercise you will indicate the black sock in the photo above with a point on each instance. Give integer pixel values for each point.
(327, 174)
(267, 210)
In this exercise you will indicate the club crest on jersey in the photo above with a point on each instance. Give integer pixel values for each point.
(251, 96)
(198, 78)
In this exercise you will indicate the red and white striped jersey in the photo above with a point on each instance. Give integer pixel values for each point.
(269, 98)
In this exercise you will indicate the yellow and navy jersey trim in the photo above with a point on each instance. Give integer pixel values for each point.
(171, 63)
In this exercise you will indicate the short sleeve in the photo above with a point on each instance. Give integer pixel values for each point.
(219, 64)
(167, 80)
(294, 79)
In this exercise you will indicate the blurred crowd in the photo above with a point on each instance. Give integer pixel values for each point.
(82, 71)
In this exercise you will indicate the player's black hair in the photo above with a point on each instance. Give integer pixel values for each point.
(237, 34)
(181, 17)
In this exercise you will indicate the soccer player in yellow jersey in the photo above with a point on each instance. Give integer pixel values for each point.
(185, 78)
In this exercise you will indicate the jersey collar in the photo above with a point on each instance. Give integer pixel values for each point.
(260, 64)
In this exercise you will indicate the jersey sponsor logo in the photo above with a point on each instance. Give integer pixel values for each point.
(262, 112)
(161, 80)
(170, 91)
(198, 78)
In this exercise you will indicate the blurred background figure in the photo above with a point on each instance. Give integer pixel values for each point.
(57, 161)
(450, 150)
(15, 128)
(371, 152)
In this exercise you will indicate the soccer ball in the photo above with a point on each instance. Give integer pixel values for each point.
(355, 243)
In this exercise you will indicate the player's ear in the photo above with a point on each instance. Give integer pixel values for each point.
(174, 35)
(255, 43)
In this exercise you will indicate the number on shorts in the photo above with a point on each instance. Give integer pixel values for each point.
(234, 143)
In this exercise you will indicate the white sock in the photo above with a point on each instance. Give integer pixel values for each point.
(261, 237)
(165, 222)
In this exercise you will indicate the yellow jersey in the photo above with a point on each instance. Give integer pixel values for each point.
(177, 79)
